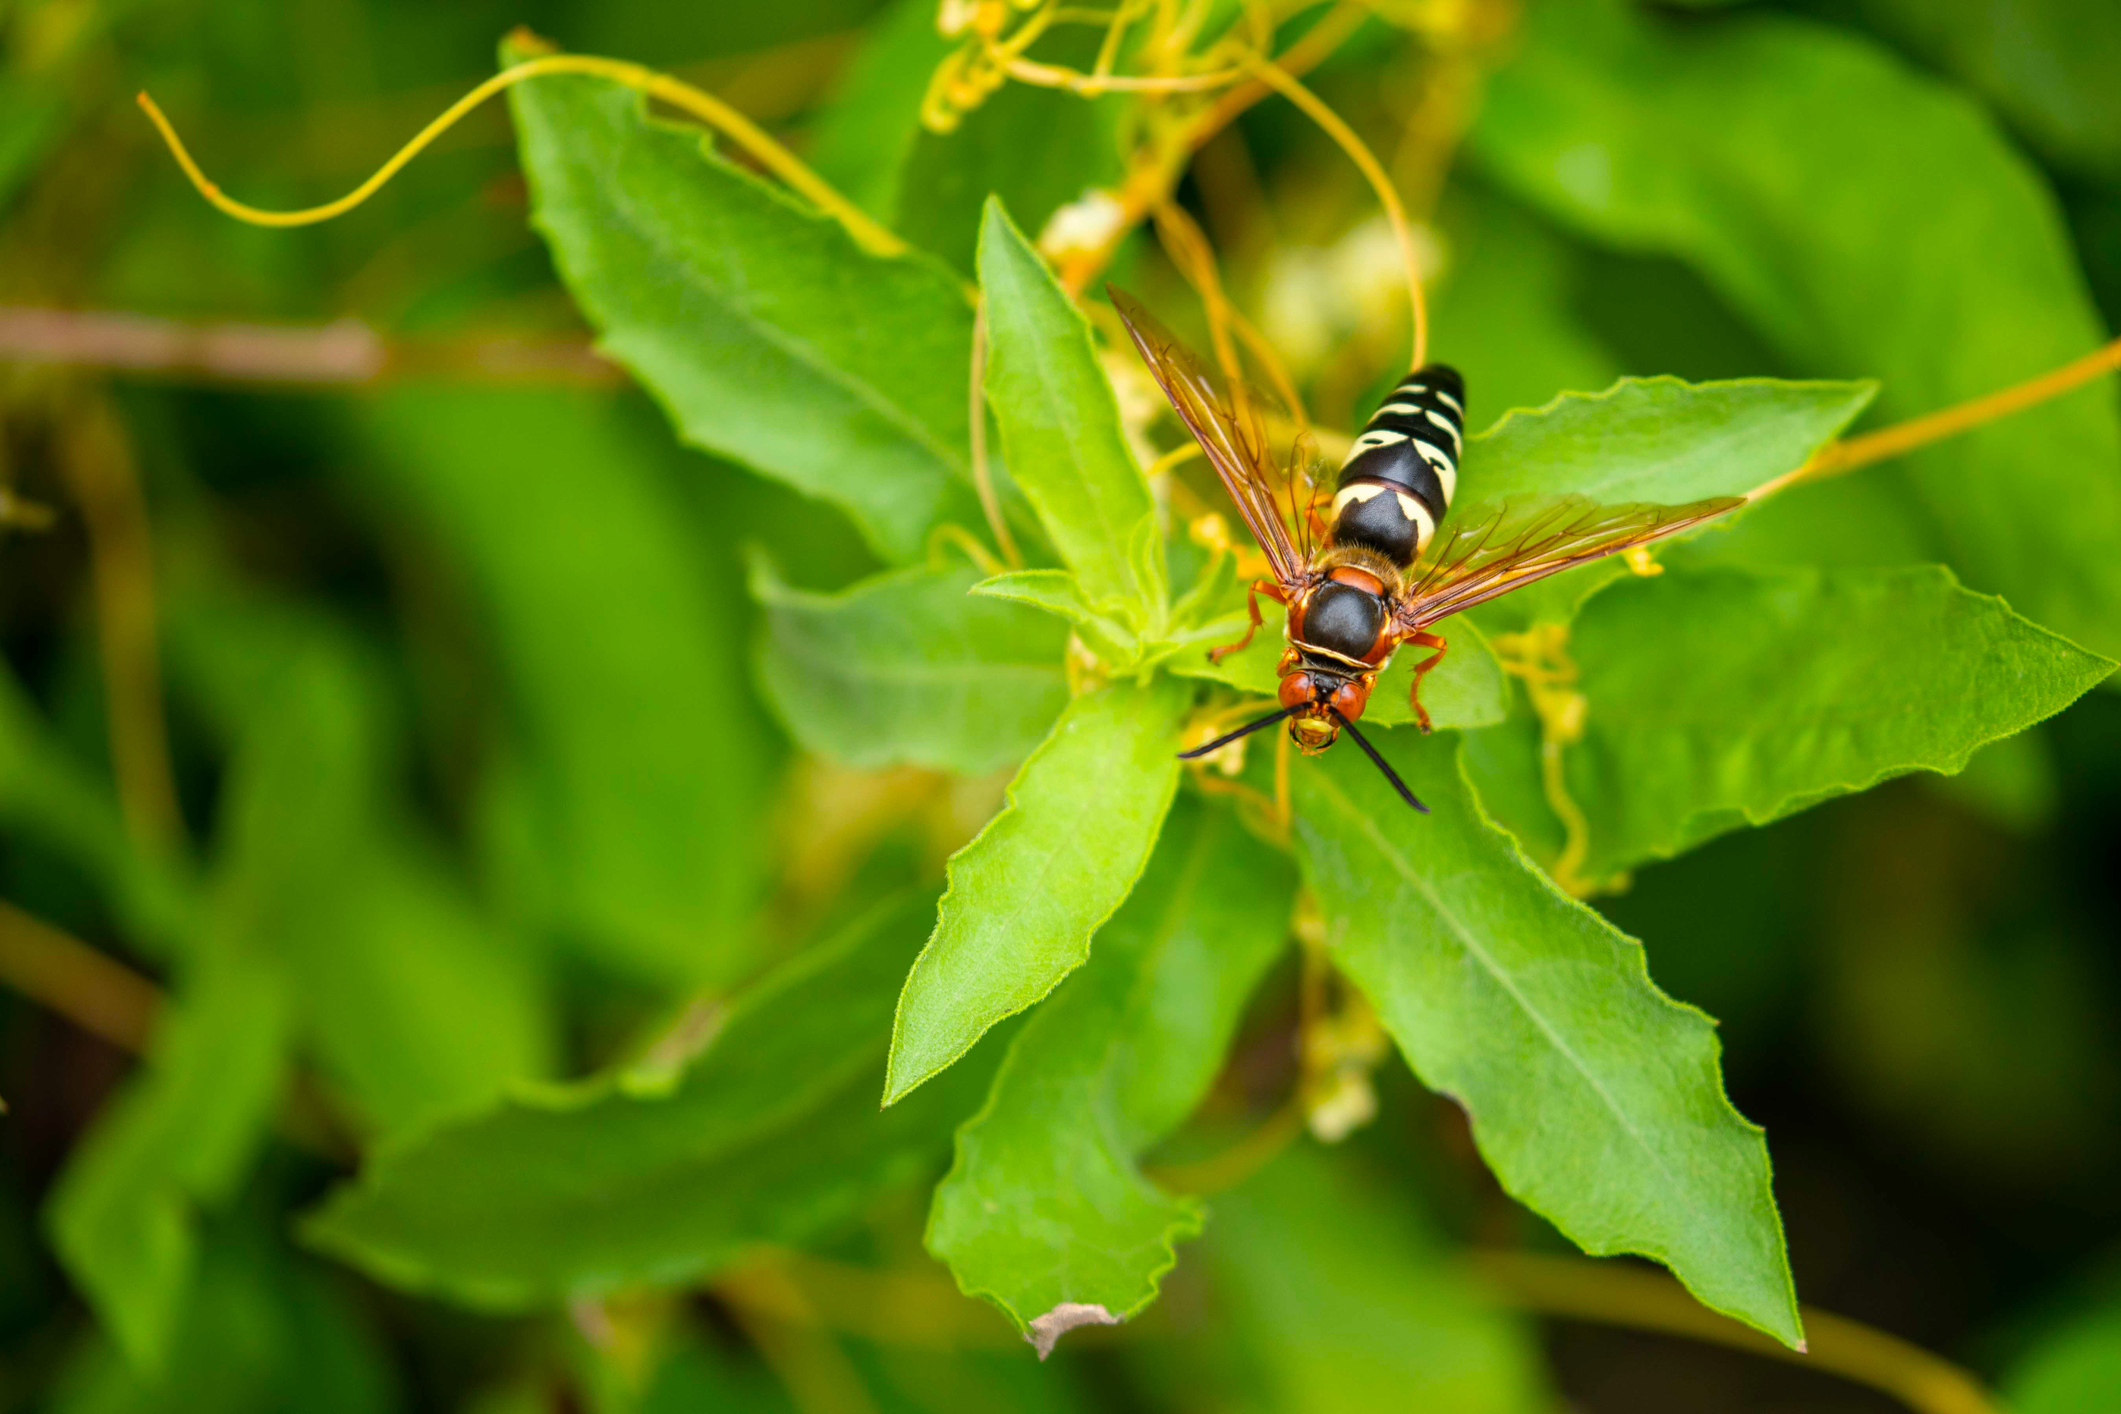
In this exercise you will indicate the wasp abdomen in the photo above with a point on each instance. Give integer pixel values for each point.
(1399, 476)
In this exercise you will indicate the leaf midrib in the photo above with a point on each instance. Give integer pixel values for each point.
(1368, 826)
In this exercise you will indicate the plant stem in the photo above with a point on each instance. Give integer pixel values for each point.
(98, 464)
(1840, 458)
(982, 476)
(1238, 1162)
(60, 972)
(344, 351)
(906, 1307)
(1579, 1289)
(794, 1343)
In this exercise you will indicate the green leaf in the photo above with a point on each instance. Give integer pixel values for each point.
(648, 775)
(46, 796)
(2073, 1371)
(1026, 896)
(174, 1143)
(32, 118)
(867, 128)
(1059, 423)
(181, 1136)
(1655, 439)
(1721, 698)
(2047, 65)
(414, 1004)
(1788, 162)
(764, 331)
(260, 1333)
(1507, 301)
(1058, 593)
(1467, 689)
(771, 1135)
(1595, 1099)
(1046, 1204)
(910, 667)
(418, 1006)
(1643, 439)
(1340, 1298)
(2013, 783)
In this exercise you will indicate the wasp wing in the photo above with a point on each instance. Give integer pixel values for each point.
(1230, 423)
(1525, 541)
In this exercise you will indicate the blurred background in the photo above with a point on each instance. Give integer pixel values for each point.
(380, 449)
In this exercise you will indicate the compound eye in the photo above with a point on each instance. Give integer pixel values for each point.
(1350, 698)
(1296, 689)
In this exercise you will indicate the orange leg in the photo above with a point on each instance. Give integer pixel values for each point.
(1421, 670)
(1259, 587)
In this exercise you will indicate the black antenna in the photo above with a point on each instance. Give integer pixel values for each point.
(1371, 751)
(1246, 730)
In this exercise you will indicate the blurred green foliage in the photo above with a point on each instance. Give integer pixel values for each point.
(550, 802)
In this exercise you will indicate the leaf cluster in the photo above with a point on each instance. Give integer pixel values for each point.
(731, 828)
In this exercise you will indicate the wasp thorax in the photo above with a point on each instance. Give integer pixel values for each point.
(1344, 619)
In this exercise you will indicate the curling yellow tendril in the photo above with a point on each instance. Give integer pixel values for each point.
(682, 96)
(1278, 79)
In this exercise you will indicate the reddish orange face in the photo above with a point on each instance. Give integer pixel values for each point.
(1318, 697)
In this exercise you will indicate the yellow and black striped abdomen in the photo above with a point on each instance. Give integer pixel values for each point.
(1399, 476)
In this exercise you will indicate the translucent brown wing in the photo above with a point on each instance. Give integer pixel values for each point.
(1274, 493)
(1522, 542)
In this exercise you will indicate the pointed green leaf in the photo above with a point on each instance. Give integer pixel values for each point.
(1026, 896)
(771, 1135)
(1788, 162)
(1643, 439)
(1595, 1098)
(910, 667)
(1340, 1298)
(1655, 439)
(1058, 594)
(1720, 698)
(1046, 1204)
(734, 304)
(648, 773)
(1060, 426)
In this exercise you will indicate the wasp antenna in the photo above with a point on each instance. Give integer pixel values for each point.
(1246, 730)
(1382, 765)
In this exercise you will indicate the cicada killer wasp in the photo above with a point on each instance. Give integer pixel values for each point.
(1367, 571)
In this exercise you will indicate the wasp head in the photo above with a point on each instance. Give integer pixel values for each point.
(1319, 703)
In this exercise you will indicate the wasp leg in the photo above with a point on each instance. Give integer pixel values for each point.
(1259, 586)
(1421, 670)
